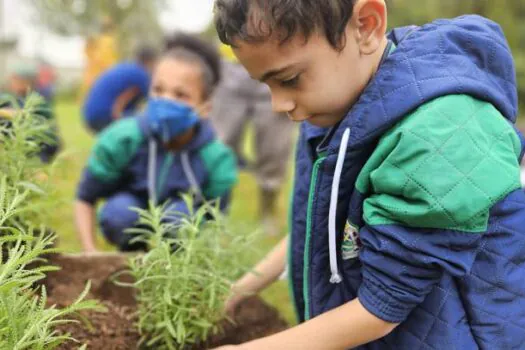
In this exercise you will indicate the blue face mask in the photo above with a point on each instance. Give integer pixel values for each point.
(168, 119)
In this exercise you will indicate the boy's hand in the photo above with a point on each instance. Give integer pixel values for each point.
(41, 176)
(85, 222)
(240, 290)
(90, 251)
(327, 331)
(233, 302)
(7, 113)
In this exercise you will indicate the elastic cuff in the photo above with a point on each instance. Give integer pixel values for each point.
(381, 304)
(86, 198)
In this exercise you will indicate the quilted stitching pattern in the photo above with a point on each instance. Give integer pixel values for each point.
(488, 302)
(455, 157)
(477, 53)
(484, 308)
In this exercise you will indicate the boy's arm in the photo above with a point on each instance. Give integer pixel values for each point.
(89, 191)
(122, 101)
(103, 175)
(85, 222)
(264, 274)
(345, 327)
(221, 165)
(432, 183)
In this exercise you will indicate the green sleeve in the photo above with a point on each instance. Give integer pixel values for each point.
(443, 166)
(114, 149)
(221, 165)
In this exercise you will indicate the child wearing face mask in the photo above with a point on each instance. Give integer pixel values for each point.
(158, 156)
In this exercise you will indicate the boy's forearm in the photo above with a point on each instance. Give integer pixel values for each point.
(84, 219)
(122, 101)
(345, 327)
(266, 272)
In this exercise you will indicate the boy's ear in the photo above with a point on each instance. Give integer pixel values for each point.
(370, 22)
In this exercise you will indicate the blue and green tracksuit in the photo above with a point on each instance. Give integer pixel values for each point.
(413, 202)
(125, 169)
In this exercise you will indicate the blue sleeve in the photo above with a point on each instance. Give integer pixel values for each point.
(430, 186)
(401, 265)
(145, 84)
(142, 79)
(90, 189)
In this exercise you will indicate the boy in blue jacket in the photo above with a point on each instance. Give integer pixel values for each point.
(408, 220)
(161, 155)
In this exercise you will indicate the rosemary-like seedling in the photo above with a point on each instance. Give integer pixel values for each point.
(21, 137)
(25, 320)
(185, 277)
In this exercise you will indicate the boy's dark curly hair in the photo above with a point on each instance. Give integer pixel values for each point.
(193, 49)
(257, 20)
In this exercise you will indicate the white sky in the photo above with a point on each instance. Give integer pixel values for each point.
(190, 15)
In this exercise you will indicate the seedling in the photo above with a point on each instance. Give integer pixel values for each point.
(185, 277)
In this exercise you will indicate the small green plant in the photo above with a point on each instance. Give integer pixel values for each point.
(20, 141)
(185, 277)
(25, 320)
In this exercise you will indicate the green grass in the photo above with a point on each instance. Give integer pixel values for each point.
(77, 147)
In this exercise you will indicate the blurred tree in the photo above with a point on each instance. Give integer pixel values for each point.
(135, 21)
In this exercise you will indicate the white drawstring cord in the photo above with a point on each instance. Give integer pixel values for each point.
(190, 175)
(152, 165)
(336, 277)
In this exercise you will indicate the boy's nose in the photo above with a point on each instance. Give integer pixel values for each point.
(282, 104)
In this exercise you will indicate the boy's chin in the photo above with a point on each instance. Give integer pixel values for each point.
(324, 121)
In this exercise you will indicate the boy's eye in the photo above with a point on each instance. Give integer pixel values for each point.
(180, 95)
(291, 82)
(157, 89)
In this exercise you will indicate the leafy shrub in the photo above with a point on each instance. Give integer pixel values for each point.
(25, 321)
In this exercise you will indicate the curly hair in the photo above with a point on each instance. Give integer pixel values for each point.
(192, 49)
(257, 20)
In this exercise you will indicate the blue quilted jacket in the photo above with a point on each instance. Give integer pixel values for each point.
(412, 203)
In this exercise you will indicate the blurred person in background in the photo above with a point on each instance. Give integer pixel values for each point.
(239, 100)
(101, 53)
(46, 80)
(119, 91)
(169, 150)
(22, 81)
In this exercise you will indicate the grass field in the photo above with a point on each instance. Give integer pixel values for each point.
(78, 143)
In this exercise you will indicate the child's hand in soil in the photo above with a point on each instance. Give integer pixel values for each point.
(91, 252)
(41, 177)
(230, 347)
(232, 303)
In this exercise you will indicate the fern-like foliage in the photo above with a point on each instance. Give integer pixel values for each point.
(25, 320)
